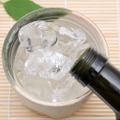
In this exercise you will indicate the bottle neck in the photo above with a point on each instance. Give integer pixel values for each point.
(93, 70)
(107, 86)
(88, 66)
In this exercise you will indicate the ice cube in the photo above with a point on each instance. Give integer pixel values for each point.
(81, 37)
(36, 35)
(77, 35)
(66, 89)
(65, 31)
(49, 38)
(80, 34)
(48, 64)
(41, 24)
(54, 27)
(20, 58)
(34, 63)
(62, 88)
(35, 85)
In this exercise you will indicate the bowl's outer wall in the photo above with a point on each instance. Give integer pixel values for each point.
(55, 111)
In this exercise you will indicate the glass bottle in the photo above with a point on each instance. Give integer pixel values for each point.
(92, 69)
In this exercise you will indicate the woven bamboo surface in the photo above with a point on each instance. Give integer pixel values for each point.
(106, 15)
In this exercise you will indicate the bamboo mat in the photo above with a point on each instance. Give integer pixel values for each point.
(106, 14)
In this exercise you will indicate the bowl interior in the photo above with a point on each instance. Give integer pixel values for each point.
(51, 14)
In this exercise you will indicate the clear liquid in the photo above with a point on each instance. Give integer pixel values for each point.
(47, 89)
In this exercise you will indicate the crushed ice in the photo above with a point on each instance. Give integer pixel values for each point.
(50, 50)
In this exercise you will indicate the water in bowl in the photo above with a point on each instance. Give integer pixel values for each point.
(46, 53)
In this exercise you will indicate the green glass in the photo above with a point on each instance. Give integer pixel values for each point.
(92, 69)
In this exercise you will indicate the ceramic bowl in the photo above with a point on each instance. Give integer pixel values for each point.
(60, 109)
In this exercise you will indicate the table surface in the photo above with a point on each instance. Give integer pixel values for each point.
(106, 15)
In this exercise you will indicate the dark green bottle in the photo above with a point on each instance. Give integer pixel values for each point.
(93, 70)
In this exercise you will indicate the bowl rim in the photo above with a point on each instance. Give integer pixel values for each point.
(24, 93)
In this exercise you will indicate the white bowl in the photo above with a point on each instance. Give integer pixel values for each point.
(60, 109)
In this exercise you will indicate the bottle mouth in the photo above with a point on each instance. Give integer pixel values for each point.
(88, 66)
(84, 61)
